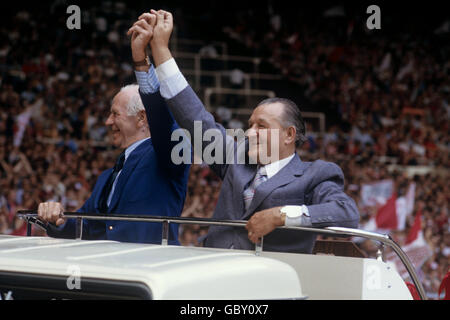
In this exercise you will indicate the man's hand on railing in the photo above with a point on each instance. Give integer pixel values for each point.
(262, 223)
(52, 212)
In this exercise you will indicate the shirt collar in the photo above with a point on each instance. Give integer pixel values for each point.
(273, 168)
(131, 148)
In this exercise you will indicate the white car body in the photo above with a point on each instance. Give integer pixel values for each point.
(42, 267)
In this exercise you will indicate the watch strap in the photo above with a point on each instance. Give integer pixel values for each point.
(142, 63)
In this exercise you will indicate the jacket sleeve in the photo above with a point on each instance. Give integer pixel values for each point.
(162, 125)
(327, 202)
(191, 115)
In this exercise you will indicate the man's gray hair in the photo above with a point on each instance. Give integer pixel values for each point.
(291, 117)
(134, 104)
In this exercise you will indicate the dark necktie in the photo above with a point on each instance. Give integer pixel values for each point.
(108, 186)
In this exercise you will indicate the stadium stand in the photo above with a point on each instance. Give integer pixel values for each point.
(377, 104)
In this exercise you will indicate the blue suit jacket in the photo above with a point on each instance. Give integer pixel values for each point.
(149, 184)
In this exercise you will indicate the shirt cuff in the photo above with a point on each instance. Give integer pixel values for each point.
(147, 81)
(171, 79)
(303, 221)
(167, 69)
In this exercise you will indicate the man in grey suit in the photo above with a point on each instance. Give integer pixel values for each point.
(271, 191)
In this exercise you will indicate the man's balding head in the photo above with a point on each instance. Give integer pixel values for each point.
(127, 120)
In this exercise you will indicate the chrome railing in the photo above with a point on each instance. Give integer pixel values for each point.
(30, 216)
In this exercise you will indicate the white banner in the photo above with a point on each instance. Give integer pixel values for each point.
(376, 193)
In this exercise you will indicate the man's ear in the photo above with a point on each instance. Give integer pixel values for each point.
(290, 135)
(142, 117)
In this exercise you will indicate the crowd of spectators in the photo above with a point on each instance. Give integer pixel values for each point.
(391, 100)
(389, 92)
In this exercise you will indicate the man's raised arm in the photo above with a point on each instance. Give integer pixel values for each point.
(182, 101)
(161, 122)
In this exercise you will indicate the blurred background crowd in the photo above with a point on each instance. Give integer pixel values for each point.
(385, 94)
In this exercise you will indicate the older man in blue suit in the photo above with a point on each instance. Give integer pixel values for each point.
(271, 191)
(144, 180)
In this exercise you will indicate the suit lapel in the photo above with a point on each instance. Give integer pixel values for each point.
(286, 175)
(127, 170)
(99, 189)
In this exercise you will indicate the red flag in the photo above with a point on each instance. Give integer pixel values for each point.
(445, 285)
(415, 229)
(412, 288)
(394, 210)
(386, 215)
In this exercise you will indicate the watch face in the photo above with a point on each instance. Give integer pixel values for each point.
(293, 212)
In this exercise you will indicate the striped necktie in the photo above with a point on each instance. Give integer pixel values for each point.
(260, 177)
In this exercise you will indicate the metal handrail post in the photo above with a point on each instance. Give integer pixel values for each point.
(79, 228)
(165, 233)
(29, 225)
(259, 247)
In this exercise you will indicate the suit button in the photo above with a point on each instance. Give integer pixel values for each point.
(110, 227)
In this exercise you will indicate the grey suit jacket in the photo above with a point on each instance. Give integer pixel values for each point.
(318, 185)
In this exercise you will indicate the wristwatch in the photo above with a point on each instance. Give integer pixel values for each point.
(143, 63)
(291, 215)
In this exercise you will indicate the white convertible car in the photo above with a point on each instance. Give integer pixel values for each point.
(48, 268)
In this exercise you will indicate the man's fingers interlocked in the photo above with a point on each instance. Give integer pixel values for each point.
(141, 26)
(149, 17)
